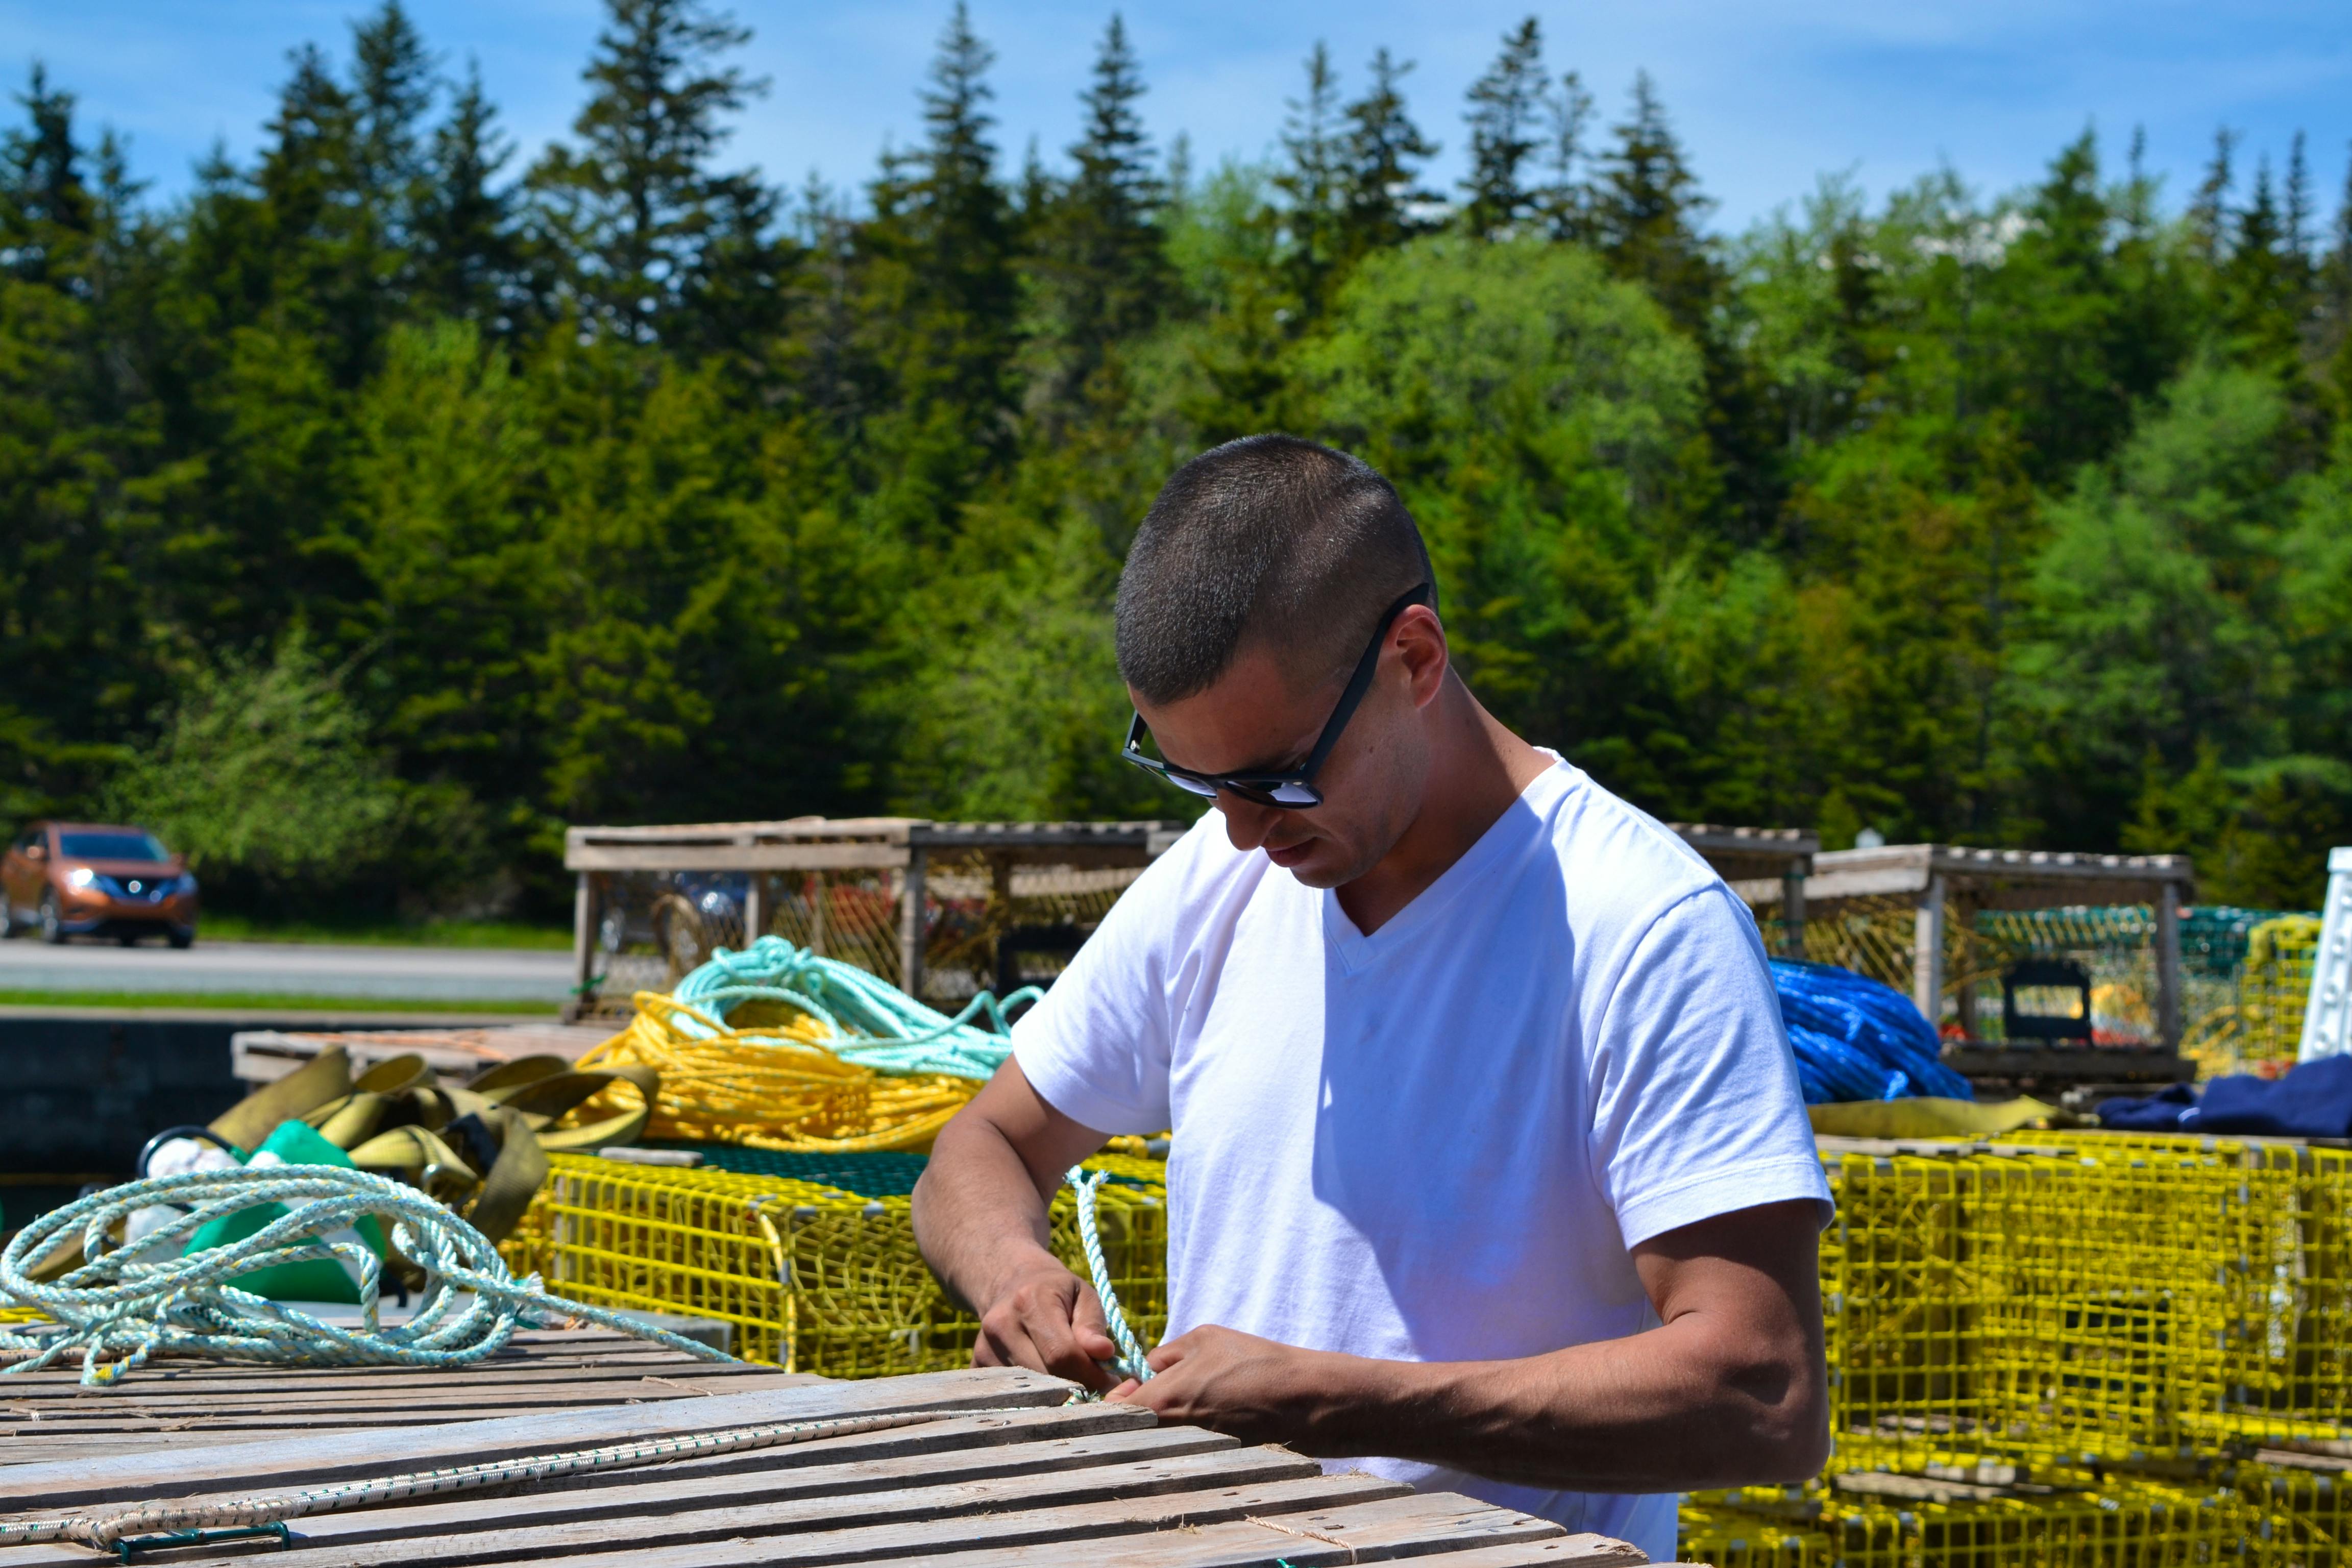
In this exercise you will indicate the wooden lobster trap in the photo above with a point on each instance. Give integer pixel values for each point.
(940, 910)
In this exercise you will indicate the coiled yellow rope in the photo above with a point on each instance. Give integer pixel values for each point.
(771, 1085)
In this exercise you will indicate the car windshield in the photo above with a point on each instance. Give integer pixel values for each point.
(111, 847)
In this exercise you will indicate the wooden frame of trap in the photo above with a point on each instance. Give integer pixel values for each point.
(906, 872)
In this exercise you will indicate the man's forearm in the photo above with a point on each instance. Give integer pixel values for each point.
(979, 1216)
(1730, 1391)
(1651, 1413)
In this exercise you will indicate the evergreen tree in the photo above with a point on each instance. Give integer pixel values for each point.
(468, 250)
(2258, 281)
(1314, 180)
(942, 289)
(2298, 214)
(391, 88)
(80, 486)
(1506, 121)
(1381, 187)
(1564, 201)
(635, 214)
(2209, 209)
(1646, 209)
(1104, 254)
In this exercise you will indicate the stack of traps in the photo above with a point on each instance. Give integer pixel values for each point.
(810, 1275)
(2074, 1349)
(2062, 1350)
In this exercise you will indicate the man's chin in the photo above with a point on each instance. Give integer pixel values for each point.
(1314, 863)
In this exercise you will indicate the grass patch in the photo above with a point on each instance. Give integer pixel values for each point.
(388, 933)
(265, 1001)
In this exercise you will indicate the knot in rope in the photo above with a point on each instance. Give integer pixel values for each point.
(127, 1303)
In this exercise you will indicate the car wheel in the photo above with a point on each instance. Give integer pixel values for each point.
(53, 930)
(182, 937)
(127, 939)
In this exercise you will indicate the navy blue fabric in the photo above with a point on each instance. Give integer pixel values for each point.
(1856, 1038)
(2154, 1114)
(2312, 1101)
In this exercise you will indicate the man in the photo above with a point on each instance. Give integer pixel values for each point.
(1489, 1169)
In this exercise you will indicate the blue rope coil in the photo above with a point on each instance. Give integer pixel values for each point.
(1855, 1038)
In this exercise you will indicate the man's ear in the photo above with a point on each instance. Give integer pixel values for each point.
(1421, 641)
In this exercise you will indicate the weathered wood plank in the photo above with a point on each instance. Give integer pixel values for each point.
(309, 1460)
(1581, 1551)
(968, 1449)
(962, 1431)
(219, 1379)
(1095, 1523)
(947, 1509)
(1047, 1424)
(1450, 1530)
(409, 1408)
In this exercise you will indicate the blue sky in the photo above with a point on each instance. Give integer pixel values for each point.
(1767, 94)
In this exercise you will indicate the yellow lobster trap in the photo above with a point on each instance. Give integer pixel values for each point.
(2086, 1300)
(2123, 1524)
(812, 1277)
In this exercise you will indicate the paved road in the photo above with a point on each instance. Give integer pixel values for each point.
(299, 969)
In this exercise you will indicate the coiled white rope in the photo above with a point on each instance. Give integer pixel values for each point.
(1130, 1361)
(124, 1304)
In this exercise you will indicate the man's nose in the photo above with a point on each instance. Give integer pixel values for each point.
(1246, 821)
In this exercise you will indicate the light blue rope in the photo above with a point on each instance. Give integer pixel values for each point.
(1130, 1361)
(883, 1027)
(125, 1304)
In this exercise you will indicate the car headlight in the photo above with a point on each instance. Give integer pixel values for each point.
(186, 884)
(80, 877)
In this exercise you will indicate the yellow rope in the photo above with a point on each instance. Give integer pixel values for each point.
(771, 1086)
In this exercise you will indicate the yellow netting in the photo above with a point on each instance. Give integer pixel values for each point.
(2120, 1524)
(813, 1278)
(766, 1080)
(2276, 987)
(2088, 1299)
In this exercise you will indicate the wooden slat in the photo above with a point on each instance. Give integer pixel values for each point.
(309, 1461)
(1581, 1551)
(683, 1376)
(624, 1505)
(1045, 1521)
(164, 1377)
(1446, 1529)
(945, 1512)
(407, 1408)
(670, 1510)
(955, 1432)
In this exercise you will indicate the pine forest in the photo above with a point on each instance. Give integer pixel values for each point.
(397, 496)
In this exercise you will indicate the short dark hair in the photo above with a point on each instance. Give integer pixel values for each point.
(1269, 538)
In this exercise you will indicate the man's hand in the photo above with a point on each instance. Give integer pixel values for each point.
(981, 1216)
(1049, 1319)
(1245, 1387)
(1728, 1390)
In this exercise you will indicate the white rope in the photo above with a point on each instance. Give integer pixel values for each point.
(1130, 1361)
(124, 1304)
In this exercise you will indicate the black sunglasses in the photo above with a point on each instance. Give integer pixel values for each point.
(1294, 789)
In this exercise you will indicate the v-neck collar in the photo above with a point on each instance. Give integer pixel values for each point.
(1503, 838)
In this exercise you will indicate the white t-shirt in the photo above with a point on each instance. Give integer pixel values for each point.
(1438, 1142)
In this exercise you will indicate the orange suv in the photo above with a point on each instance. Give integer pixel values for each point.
(89, 878)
